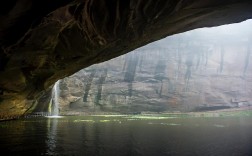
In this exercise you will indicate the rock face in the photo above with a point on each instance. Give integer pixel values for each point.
(196, 71)
(43, 41)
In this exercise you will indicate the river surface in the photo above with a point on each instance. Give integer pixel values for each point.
(127, 136)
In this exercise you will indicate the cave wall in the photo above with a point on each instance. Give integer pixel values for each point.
(43, 41)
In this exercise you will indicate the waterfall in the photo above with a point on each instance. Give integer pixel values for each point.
(55, 99)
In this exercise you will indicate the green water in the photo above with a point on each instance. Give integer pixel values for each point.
(128, 135)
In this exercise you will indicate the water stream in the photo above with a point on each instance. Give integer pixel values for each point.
(55, 99)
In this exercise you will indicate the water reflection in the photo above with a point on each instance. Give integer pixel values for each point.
(123, 136)
(52, 124)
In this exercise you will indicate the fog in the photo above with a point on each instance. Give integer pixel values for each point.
(238, 33)
(202, 69)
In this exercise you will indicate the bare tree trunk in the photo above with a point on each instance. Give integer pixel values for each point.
(99, 86)
(247, 59)
(88, 85)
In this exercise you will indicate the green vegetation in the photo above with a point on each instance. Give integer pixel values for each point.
(83, 121)
(236, 113)
(149, 117)
(105, 120)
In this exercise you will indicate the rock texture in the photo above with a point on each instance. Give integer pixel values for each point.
(43, 41)
(196, 71)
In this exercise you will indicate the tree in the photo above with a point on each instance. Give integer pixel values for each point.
(88, 85)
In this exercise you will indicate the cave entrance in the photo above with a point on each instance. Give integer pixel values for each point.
(199, 70)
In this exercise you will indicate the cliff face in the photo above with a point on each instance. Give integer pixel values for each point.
(196, 71)
(43, 41)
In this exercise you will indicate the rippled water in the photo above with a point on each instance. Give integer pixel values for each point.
(127, 136)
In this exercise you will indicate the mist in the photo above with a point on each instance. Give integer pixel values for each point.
(202, 69)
